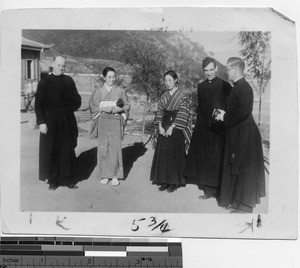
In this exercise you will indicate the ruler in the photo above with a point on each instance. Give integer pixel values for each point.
(79, 252)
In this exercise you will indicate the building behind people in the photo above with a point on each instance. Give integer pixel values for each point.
(109, 107)
(173, 120)
(56, 100)
(204, 159)
(29, 95)
(243, 178)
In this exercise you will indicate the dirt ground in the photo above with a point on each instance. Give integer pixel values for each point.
(134, 194)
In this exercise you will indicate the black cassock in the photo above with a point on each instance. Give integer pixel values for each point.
(243, 178)
(56, 100)
(205, 153)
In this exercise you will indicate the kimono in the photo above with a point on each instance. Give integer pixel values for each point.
(56, 100)
(204, 159)
(170, 152)
(109, 130)
(243, 177)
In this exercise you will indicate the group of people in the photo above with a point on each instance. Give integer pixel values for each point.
(223, 153)
(56, 100)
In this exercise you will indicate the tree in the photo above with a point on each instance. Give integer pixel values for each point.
(148, 64)
(257, 54)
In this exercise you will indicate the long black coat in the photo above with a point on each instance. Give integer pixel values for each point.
(205, 152)
(56, 100)
(243, 178)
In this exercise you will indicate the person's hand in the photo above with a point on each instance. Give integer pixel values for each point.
(161, 131)
(116, 110)
(169, 131)
(43, 128)
(220, 116)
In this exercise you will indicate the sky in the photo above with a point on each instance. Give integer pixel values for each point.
(222, 44)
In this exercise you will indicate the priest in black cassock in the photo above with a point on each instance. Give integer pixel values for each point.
(56, 100)
(243, 178)
(206, 150)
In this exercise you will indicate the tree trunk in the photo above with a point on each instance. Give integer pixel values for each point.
(144, 117)
(259, 105)
(259, 109)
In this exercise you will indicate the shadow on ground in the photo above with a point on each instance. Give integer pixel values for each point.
(87, 162)
(131, 154)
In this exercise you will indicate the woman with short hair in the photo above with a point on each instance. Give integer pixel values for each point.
(109, 107)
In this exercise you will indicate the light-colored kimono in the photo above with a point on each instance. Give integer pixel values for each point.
(109, 129)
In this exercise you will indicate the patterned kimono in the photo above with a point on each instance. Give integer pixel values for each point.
(170, 153)
(108, 128)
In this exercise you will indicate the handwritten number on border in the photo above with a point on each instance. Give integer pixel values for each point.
(163, 225)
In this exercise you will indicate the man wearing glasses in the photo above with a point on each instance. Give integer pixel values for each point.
(243, 178)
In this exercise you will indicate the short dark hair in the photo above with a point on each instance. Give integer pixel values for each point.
(237, 62)
(171, 73)
(108, 69)
(207, 61)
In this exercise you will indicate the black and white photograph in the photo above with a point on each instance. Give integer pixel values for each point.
(137, 116)
(130, 163)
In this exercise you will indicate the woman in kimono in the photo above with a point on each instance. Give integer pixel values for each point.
(109, 108)
(173, 120)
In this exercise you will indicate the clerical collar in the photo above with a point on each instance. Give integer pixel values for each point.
(235, 81)
(57, 75)
(210, 81)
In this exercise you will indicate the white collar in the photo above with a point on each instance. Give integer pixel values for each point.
(172, 91)
(108, 89)
(238, 79)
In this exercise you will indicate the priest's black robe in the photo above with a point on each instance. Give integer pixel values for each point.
(243, 178)
(205, 152)
(56, 100)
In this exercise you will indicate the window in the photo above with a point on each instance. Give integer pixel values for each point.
(29, 74)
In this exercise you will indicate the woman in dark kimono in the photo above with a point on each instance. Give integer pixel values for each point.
(173, 120)
(109, 108)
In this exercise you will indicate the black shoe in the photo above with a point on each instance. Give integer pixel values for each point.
(72, 186)
(163, 187)
(53, 187)
(172, 188)
(45, 180)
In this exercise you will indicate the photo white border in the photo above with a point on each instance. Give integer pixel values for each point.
(279, 223)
